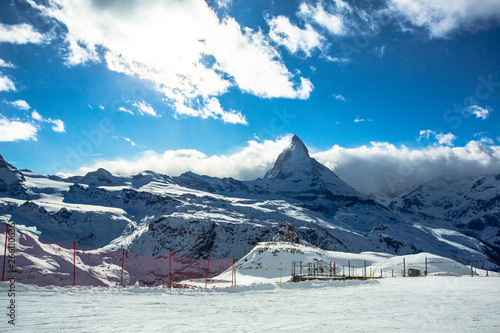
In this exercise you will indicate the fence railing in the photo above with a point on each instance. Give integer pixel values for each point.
(45, 263)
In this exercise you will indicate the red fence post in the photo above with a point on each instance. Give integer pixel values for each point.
(123, 258)
(5, 251)
(170, 269)
(74, 263)
(208, 270)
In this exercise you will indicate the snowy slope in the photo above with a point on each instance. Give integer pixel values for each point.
(268, 261)
(468, 206)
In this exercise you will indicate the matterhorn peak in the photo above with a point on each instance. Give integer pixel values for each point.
(298, 146)
(293, 158)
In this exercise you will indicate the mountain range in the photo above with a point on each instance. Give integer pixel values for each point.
(200, 216)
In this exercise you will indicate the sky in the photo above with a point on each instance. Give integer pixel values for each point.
(388, 94)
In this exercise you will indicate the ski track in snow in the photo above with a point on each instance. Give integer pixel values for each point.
(435, 304)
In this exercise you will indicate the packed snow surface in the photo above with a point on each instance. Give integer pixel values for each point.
(432, 304)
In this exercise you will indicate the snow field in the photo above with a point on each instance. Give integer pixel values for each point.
(435, 304)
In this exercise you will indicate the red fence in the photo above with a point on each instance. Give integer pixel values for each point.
(63, 264)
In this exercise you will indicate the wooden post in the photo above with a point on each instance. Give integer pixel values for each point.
(334, 271)
(74, 263)
(208, 270)
(487, 265)
(5, 251)
(349, 264)
(425, 273)
(123, 258)
(232, 275)
(170, 269)
(365, 269)
(404, 267)
(471, 272)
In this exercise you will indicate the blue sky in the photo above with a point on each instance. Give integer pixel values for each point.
(174, 86)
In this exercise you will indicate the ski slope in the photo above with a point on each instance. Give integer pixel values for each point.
(433, 304)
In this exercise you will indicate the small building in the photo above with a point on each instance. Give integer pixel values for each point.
(413, 272)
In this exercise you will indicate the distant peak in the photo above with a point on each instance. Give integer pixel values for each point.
(294, 157)
(297, 144)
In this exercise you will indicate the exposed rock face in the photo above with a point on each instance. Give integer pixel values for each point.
(287, 233)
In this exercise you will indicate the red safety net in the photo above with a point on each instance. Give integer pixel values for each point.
(64, 264)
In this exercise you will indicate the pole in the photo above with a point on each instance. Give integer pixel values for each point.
(170, 269)
(334, 271)
(74, 263)
(404, 267)
(365, 268)
(349, 264)
(123, 258)
(281, 271)
(471, 272)
(208, 270)
(425, 266)
(5, 251)
(487, 265)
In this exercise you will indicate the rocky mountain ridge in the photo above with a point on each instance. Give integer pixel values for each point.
(200, 216)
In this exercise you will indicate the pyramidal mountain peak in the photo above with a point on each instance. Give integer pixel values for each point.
(292, 159)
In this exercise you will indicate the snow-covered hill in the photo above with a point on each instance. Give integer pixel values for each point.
(468, 206)
(200, 216)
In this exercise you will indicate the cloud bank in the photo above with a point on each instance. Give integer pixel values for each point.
(252, 161)
(380, 169)
(383, 169)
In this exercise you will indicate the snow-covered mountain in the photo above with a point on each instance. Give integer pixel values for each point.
(469, 206)
(200, 216)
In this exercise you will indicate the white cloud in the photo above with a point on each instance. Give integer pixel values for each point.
(338, 60)
(6, 84)
(58, 124)
(213, 109)
(360, 120)
(252, 161)
(182, 47)
(384, 169)
(20, 104)
(15, 130)
(145, 109)
(442, 139)
(380, 51)
(292, 37)
(36, 116)
(20, 34)
(478, 111)
(5, 64)
(339, 98)
(122, 109)
(132, 143)
(332, 22)
(442, 17)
